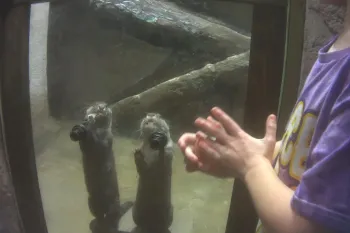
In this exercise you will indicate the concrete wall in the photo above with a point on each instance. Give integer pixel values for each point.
(44, 128)
(37, 51)
(322, 23)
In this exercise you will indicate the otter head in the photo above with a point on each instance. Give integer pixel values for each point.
(99, 115)
(153, 123)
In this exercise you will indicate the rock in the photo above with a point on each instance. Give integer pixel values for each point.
(333, 16)
(322, 22)
(234, 15)
(163, 23)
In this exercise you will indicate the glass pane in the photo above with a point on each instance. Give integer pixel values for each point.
(139, 57)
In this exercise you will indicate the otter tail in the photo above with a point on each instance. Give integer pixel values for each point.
(125, 207)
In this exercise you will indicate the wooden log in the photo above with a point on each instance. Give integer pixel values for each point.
(165, 24)
(181, 90)
(176, 64)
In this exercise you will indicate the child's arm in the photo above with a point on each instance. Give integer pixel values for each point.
(272, 201)
(322, 197)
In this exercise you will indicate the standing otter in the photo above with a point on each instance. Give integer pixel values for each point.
(153, 210)
(96, 140)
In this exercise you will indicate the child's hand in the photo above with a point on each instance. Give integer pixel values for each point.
(229, 151)
(187, 143)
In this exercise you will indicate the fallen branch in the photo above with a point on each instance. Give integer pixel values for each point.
(183, 89)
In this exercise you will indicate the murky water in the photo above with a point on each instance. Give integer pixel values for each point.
(201, 202)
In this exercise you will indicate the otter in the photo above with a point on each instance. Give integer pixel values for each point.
(153, 210)
(96, 139)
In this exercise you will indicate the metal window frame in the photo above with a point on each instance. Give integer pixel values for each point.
(265, 73)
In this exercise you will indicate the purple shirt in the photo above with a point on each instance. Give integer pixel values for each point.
(314, 158)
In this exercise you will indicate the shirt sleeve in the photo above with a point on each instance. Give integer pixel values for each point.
(323, 194)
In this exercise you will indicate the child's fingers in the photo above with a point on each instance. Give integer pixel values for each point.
(190, 156)
(226, 121)
(210, 118)
(200, 134)
(185, 140)
(191, 160)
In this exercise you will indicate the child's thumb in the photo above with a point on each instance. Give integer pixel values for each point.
(270, 135)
